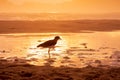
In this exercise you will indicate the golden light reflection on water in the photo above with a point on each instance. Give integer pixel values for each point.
(68, 51)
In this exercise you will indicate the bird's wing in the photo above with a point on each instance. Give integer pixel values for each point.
(47, 44)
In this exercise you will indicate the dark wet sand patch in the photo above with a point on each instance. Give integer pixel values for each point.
(84, 26)
(31, 72)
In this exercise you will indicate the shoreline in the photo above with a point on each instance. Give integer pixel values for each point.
(74, 26)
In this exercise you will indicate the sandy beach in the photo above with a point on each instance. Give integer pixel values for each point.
(25, 71)
(59, 39)
(20, 60)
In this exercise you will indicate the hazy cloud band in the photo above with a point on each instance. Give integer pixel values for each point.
(40, 1)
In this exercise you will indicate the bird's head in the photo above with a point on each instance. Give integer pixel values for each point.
(57, 38)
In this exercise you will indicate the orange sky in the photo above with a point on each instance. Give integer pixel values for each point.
(61, 6)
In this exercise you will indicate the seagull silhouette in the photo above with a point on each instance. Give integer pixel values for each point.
(49, 44)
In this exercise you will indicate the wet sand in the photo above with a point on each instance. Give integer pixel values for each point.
(24, 71)
(65, 26)
(20, 69)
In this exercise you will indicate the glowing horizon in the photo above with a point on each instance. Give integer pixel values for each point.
(60, 6)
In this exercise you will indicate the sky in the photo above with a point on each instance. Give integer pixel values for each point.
(60, 6)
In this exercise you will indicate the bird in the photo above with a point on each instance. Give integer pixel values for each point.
(49, 44)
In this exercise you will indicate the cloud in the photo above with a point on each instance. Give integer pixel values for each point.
(39, 1)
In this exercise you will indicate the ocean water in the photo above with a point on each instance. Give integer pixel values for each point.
(101, 48)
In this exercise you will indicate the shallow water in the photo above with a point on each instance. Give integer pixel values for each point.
(102, 48)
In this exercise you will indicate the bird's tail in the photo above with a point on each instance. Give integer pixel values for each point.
(38, 45)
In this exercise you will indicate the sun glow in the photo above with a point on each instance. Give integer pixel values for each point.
(40, 53)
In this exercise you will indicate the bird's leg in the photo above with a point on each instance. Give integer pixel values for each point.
(53, 47)
(49, 52)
